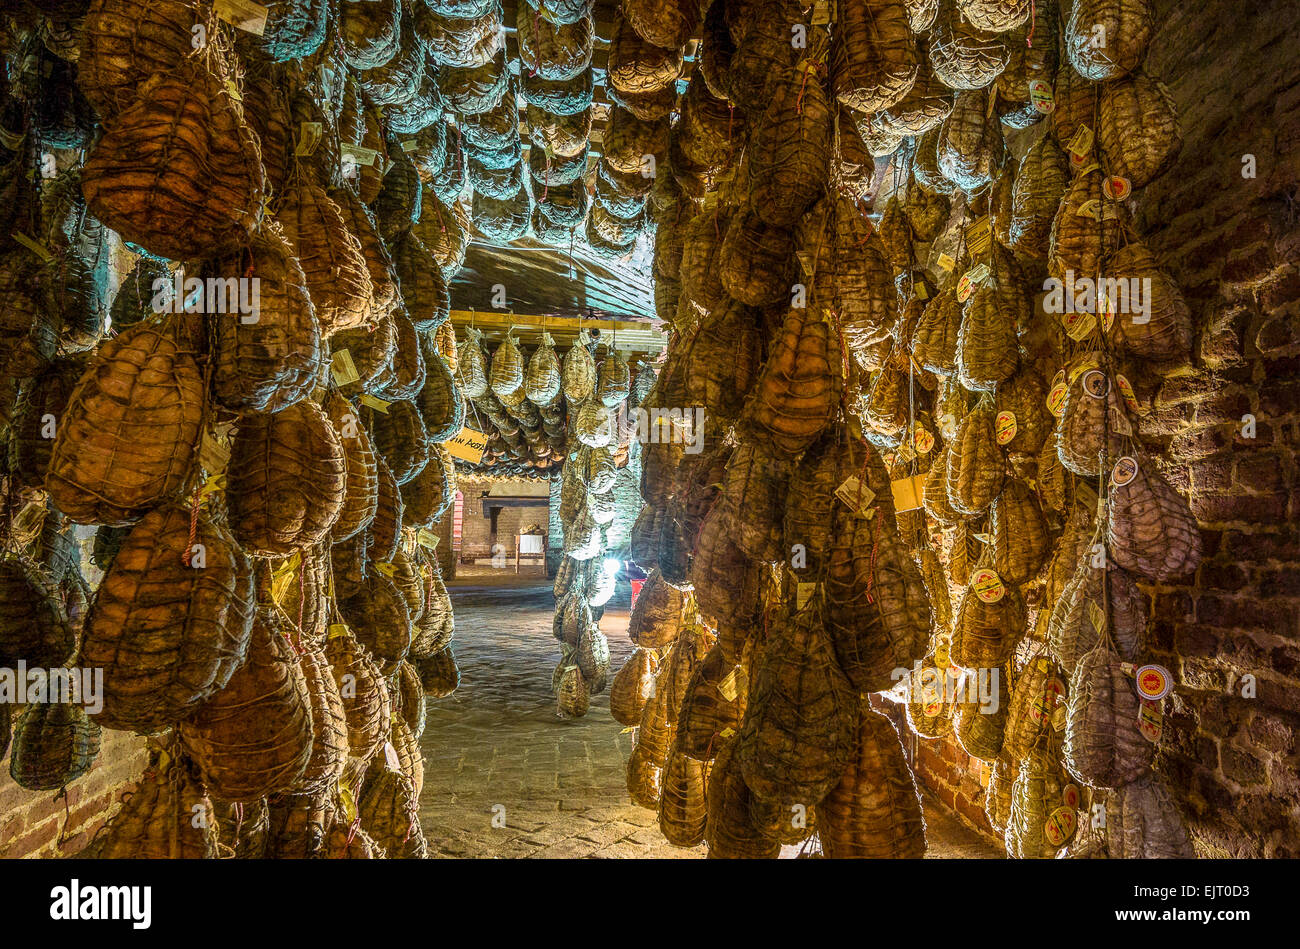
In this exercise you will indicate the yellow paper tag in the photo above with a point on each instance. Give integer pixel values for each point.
(36, 247)
(343, 368)
(468, 445)
(376, 403)
(426, 538)
(1096, 616)
(309, 136)
(907, 492)
(337, 630)
(243, 14)
(387, 569)
(1081, 143)
(946, 262)
(803, 593)
(281, 576)
(727, 687)
(979, 236)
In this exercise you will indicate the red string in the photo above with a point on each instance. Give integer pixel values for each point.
(1033, 17)
(875, 545)
(194, 530)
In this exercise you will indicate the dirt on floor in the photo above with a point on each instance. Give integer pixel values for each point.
(506, 777)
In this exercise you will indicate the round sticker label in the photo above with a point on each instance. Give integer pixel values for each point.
(987, 585)
(1154, 682)
(1040, 94)
(1124, 471)
(1117, 187)
(1005, 427)
(922, 440)
(932, 709)
(1060, 826)
(1070, 796)
(1056, 397)
(1096, 384)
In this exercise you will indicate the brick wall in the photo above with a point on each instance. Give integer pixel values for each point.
(31, 822)
(1230, 748)
(476, 537)
(943, 770)
(1234, 245)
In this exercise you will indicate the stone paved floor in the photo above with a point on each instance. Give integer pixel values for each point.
(496, 753)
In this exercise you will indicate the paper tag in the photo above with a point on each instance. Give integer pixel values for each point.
(390, 755)
(1154, 682)
(803, 593)
(387, 569)
(1081, 143)
(1004, 427)
(376, 403)
(343, 368)
(213, 485)
(243, 14)
(1041, 97)
(1096, 617)
(467, 445)
(941, 653)
(823, 12)
(946, 263)
(410, 145)
(727, 687)
(979, 236)
(1058, 719)
(1124, 471)
(727, 732)
(856, 496)
(214, 454)
(805, 262)
(358, 155)
(36, 247)
(426, 538)
(309, 136)
(987, 585)
(337, 630)
(907, 492)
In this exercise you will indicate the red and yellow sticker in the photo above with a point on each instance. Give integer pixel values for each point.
(1005, 427)
(1056, 395)
(1150, 721)
(1117, 187)
(1060, 826)
(1154, 682)
(1040, 95)
(988, 586)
